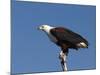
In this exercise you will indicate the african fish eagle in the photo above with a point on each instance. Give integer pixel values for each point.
(65, 39)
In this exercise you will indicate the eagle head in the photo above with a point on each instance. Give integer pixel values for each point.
(43, 27)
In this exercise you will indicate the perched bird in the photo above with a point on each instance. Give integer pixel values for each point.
(65, 39)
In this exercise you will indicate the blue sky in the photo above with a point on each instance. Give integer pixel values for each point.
(32, 51)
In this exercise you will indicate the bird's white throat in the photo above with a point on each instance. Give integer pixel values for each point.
(47, 31)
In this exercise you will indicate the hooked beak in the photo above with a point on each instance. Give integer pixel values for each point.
(39, 28)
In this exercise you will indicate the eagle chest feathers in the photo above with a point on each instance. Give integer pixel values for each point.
(51, 37)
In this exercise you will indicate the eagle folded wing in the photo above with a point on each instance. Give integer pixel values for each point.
(67, 35)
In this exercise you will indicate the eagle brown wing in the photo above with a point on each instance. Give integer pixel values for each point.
(66, 35)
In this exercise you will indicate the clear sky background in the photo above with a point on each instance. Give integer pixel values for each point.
(32, 51)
